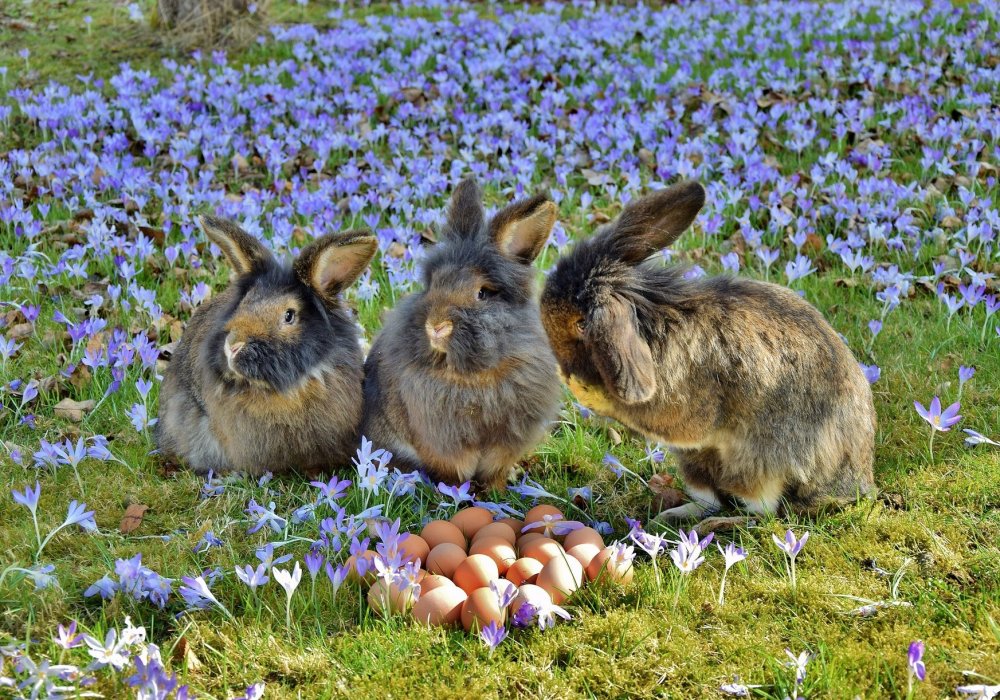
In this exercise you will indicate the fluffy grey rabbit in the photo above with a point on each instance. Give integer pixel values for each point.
(268, 373)
(461, 382)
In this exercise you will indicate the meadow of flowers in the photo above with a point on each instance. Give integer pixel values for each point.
(850, 150)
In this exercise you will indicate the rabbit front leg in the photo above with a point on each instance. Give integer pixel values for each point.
(698, 467)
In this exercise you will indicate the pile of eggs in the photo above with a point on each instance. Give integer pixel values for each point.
(463, 556)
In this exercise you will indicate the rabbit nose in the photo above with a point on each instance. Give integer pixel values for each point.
(438, 333)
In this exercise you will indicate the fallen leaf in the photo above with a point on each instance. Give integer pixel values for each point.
(665, 495)
(74, 410)
(132, 518)
(614, 436)
(20, 331)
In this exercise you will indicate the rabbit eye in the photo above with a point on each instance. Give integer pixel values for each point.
(485, 293)
(581, 326)
(289, 315)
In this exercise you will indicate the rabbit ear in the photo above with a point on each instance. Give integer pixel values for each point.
(655, 221)
(521, 230)
(465, 213)
(332, 262)
(623, 358)
(244, 252)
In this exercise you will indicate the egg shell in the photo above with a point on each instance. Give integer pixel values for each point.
(530, 593)
(471, 520)
(514, 524)
(439, 531)
(561, 577)
(542, 549)
(414, 547)
(431, 581)
(524, 570)
(497, 549)
(584, 553)
(475, 572)
(352, 569)
(442, 606)
(525, 539)
(602, 568)
(498, 529)
(538, 512)
(583, 535)
(480, 609)
(445, 558)
(399, 600)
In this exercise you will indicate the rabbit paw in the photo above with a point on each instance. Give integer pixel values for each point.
(688, 511)
(717, 523)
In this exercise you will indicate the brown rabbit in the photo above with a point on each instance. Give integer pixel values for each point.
(268, 373)
(758, 397)
(461, 381)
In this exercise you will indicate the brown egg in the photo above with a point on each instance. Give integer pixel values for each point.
(524, 570)
(561, 577)
(475, 572)
(352, 569)
(480, 609)
(439, 531)
(398, 600)
(442, 606)
(431, 581)
(501, 530)
(445, 558)
(584, 534)
(538, 512)
(603, 567)
(497, 549)
(471, 520)
(514, 524)
(584, 552)
(529, 593)
(525, 539)
(414, 547)
(542, 549)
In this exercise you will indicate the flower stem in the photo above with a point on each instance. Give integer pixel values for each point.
(722, 589)
(930, 446)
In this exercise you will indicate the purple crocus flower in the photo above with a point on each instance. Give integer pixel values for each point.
(492, 635)
(872, 372)
(915, 663)
(939, 420)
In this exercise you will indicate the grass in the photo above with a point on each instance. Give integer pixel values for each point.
(936, 522)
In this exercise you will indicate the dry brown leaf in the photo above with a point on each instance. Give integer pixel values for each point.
(132, 518)
(74, 410)
(20, 331)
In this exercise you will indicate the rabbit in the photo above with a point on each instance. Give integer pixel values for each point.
(267, 375)
(461, 381)
(757, 396)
